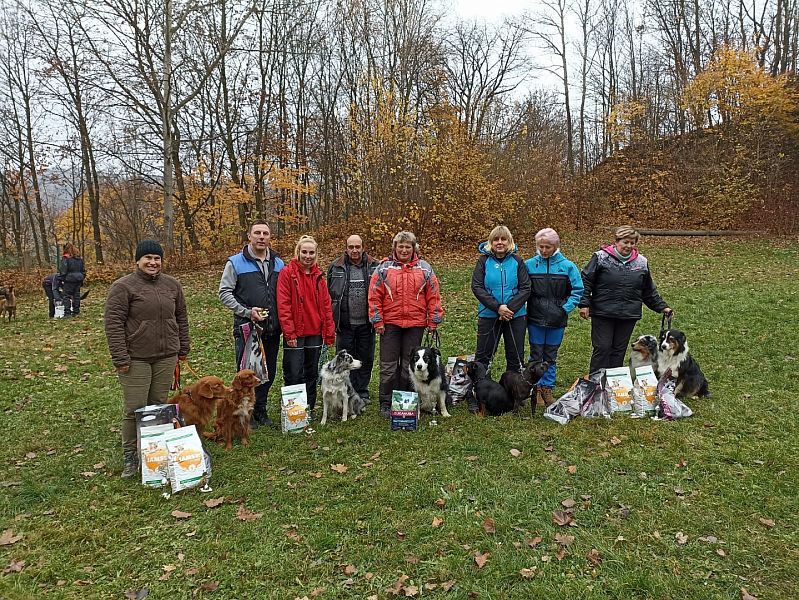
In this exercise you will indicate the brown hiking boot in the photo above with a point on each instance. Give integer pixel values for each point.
(546, 395)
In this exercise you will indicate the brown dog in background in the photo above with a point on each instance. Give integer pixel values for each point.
(11, 304)
(197, 401)
(233, 414)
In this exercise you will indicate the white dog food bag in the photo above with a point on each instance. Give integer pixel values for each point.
(404, 410)
(669, 406)
(188, 466)
(621, 387)
(644, 392)
(154, 455)
(294, 408)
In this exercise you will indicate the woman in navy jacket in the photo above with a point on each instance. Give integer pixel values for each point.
(556, 290)
(501, 285)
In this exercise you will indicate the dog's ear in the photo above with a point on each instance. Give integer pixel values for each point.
(204, 390)
(436, 352)
(414, 350)
(237, 384)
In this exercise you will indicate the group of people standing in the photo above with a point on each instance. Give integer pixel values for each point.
(397, 298)
(64, 286)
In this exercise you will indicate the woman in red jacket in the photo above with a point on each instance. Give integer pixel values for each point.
(306, 317)
(404, 298)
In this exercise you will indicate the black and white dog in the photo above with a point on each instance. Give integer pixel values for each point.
(644, 353)
(492, 399)
(338, 395)
(519, 385)
(427, 377)
(674, 355)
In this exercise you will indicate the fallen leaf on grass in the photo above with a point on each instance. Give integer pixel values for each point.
(682, 464)
(489, 526)
(615, 441)
(561, 554)
(515, 453)
(481, 559)
(214, 502)
(61, 368)
(179, 514)
(410, 591)
(398, 585)
(317, 591)
(137, 594)
(191, 572)
(568, 503)
(293, 535)
(339, 468)
(440, 502)
(210, 586)
(721, 552)
(448, 585)
(745, 595)
(594, 557)
(527, 573)
(350, 570)
(470, 458)
(681, 538)
(766, 522)
(88, 473)
(561, 517)
(708, 539)
(245, 514)
(437, 521)
(533, 542)
(572, 469)
(564, 539)
(412, 559)
(312, 444)
(15, 566)
(7, 538)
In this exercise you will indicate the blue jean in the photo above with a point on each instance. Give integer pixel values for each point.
(544, 345)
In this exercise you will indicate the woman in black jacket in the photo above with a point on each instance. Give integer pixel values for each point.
(71, 275)
(617, 281)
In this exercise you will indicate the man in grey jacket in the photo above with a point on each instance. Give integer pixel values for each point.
(249, 288)
(348, 282)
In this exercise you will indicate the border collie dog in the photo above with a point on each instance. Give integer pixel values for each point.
(338, 395)
(674, 355)
(492, 399)
(644, 352)
(427, 378)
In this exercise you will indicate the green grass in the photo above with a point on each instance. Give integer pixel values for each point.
(96, 536)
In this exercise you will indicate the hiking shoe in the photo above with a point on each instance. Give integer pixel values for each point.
(385, 411)
(130, 466)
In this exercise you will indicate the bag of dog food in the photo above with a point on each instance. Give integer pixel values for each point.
(188, 465)
(644, 392)
(568, 405)
(294, 408)
(254, 356)
(460, 384)
(621, 386)
(404, 410)
(669, 406)
(154, 455)
(596, 402)
(156, 414)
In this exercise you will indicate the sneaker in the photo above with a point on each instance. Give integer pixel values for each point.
(310, 415)
(385, 411)
(130, 466)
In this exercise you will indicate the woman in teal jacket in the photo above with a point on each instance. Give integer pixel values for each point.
(556, 289)
(501, 285)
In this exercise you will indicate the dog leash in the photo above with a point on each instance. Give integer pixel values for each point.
(665, 325)
(176, 377)
(498, 335)
(432, 339)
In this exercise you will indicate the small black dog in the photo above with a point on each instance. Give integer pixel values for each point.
(492, 399)
(519, 386)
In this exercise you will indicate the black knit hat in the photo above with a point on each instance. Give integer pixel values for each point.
(148, 247)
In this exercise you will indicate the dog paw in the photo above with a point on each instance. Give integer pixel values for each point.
(446, 414)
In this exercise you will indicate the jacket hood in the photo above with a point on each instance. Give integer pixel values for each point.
(555, 258)
(485, 248)
(611, 249)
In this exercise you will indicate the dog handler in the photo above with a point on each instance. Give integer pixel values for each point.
(348, 281)
(556, 289)
(248, 287)
(404, 298)
(617, 281)
(148, 332)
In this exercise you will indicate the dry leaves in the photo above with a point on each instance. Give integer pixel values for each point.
(681, 538)
(745, 595)
(594, 557)
(766, 522)
(440, 502)
(437, 521)
(350, 570)
(481, 559)
(562, 517)
(7, 538)
(339, 468)
(533, 542)
(245, 514)
(515, 453)
(137, 594)
(527, 573)
(179, 514)
(214, 502)
(210, 586)
(615, 441)
(568, 503)
(572, 469)
(489, 526)
(15, 566)
(563, 539)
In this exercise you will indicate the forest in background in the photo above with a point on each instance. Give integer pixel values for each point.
(179, 120)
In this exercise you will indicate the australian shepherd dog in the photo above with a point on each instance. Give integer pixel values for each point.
(427, 378)
(674, 355)
(338, 395)
(644, 353)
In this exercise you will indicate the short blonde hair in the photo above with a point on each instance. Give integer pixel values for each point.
(498, 232)
(548, 236)
(627, 231)
(304, 239)
(408, 237)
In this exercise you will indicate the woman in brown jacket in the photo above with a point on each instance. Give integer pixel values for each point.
(148, 332)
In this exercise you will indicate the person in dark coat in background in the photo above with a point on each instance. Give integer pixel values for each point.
(47, 284)
(617, 282)
(71, 274)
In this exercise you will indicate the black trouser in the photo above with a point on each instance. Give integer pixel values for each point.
(71, 296)
(48, 290)
(359, 340)
(610, 338)
(301, 364)
(395, 351)
(488, 332)
(271, 348)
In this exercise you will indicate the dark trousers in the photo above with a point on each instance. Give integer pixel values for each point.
(395, 352)
(48, 290)
(359, 340)
(301, 364)
(488, 332)
(71, 298)
(271, 348)
(610, 338)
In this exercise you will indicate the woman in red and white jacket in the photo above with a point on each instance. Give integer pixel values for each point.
(404, 298)
(306, 317)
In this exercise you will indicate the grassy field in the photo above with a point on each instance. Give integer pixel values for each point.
(699, 508)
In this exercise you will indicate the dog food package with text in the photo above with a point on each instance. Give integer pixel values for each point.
(596, 403)
(156, 414)
(154, 455)
(644, 392)
(669, 406)
(254, 356)
(404, 410)
(459, 382)
(568, 405)
(621, 387)
(294, 408)
(188, 464)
